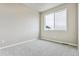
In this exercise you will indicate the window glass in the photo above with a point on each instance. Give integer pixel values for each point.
(56, 20)
(49, 21)
(60, 20)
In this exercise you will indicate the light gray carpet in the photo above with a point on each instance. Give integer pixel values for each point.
(40, 48)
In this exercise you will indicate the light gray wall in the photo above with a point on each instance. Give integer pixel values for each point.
(78, 26)
(17, 23)
(69, 37)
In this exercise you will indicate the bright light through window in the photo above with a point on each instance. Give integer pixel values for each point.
(49, 22)
(60, 20)
(56, 20)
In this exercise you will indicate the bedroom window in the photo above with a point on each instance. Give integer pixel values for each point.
(49, 22)
(56, 20)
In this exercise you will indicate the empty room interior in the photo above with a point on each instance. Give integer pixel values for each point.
(39, 29)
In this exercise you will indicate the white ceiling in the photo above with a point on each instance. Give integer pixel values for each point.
(40, 7)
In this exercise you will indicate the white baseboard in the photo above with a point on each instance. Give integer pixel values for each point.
(72, 44)
(15, 44)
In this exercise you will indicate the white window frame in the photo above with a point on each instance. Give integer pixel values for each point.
(54, 20)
